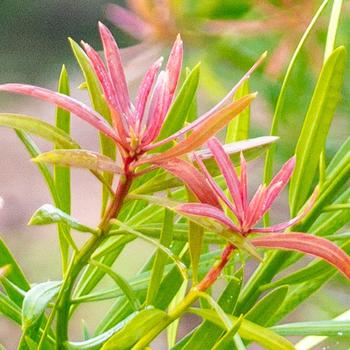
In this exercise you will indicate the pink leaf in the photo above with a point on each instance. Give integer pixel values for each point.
(174, 64)
(229, 173)
(119, 121)
(216, 188)
(206, 211)
(157, 108)
(145, 89)
(207, 129)
(284, 225)
(192, 178)
(65, 102)
(214, 110)
(115, 67)
(282, 178)
(309, 244)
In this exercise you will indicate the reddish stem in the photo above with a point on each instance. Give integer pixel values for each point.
(216, 270)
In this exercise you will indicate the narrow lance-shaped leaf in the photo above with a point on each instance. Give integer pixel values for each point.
(160, 259)
(203, 131)
(121, 282)
(266, 307)
(80, 159)
(79, 109)
(107, 145)
(248, 330)
(176, 260)
(309, 244)
(316, 126)
(268, 169)
(238, 128)
(38, 128)
(177, 113)
(48, 214)
(135, 329)
(62, 175)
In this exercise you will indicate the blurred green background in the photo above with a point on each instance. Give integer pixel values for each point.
(33, 46)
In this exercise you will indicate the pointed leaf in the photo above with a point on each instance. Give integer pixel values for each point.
(194, 179)
(121, 282)
(65, 102)
(36, 301)
(204, 131)
(107, 146)
(137, 327)
(316, 126)
(226, 340)
(309, 244)
(80, 159)
(177, 113)
(48, 214)
(283, 93)
(265, 308)
(160, 259)
(249, 331)
(37, 128)
(9, 309)
(176, 260)
(62, 175)
(320, 328)
(14, 274)
(238, 128)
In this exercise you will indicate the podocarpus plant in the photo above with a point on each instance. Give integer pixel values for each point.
(183, 200)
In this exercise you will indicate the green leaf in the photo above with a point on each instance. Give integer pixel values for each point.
(62, 175)
(332, 28)
(225, 341)
(98, 102)
(315, 128)
(248, 330)
(339, 157)
(173, 328)
(14, 274)
(36, 301)
(48, 214)
(168, 252)
(321, 328)
(80, 159)
(268, 169)
(205, 336)
(238, 128)
(136, 328)
(121, 282)
(38, 128)
(195, 240)
(160, 259)
(9, 309)
(265, 308)
(177, 114)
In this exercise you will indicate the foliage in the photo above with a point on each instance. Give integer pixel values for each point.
(180, 190)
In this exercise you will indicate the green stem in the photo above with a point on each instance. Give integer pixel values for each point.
(189, 299)
(82, 258)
